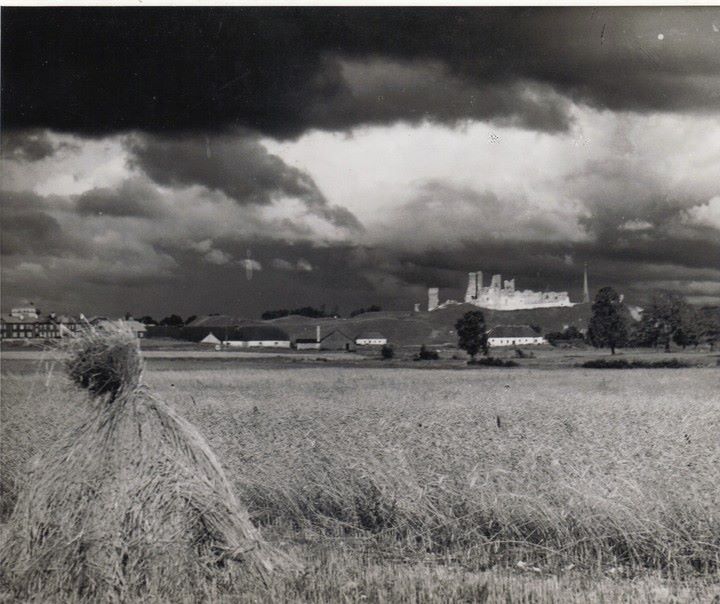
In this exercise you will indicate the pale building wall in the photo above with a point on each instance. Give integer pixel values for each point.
(516, 341)
(258, 343)
(371, 341)
(308, 345)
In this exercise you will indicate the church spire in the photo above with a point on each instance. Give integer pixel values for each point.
(586, 291)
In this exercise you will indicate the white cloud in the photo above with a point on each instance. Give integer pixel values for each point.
(203, 246)
(250, 264)
(301, 265)
(707, 214)
(304, 266)
(217, 257)
(282, 264)
(622, 166)
(636, 225)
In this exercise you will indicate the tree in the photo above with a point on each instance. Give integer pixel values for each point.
(569, 334)
(172, 320)
(710, 321)
(147, 320)
(644, 332)
(670, 318)
(387, 352)
(472, 335)
(190, 319)
(608, 325)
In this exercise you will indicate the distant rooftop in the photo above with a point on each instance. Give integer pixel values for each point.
(513, 331)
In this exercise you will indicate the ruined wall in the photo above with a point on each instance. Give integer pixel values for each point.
(504, 296)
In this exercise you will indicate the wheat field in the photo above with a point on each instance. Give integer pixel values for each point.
(445, 485)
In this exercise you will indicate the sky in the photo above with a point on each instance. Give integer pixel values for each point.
(235, 160)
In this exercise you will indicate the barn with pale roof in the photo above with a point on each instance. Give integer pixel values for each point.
(514, 335)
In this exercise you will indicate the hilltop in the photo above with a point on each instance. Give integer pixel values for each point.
(436, 327)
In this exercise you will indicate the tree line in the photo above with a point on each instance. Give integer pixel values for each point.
(667, 319)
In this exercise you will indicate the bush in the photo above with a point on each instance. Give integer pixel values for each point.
(624, 364)
(493, 362)
(427, 355)
(387, 352)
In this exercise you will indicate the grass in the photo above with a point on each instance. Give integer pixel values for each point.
(625, 364)
(493, 362)
(406, 485)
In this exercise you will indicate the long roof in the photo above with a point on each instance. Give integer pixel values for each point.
(217, 321)
(336, 333)
(513, 331)
(246, 333)
(370, 335)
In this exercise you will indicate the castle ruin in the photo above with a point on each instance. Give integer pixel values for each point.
(502, 295)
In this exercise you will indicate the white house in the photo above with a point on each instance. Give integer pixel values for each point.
(514, 335)
(372, 338)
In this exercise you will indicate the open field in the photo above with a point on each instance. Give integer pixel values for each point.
(166, 353)
(397, 484)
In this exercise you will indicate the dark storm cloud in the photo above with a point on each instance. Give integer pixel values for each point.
(240, 167)
(27, 146)
(27, 227)
(282, 71)
(30, 145)
(132, 198)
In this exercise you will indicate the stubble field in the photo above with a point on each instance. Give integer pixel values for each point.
(445, 485)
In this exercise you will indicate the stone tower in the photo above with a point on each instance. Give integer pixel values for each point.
(586, 291)
(433, 298)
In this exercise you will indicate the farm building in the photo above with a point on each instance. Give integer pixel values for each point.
(210, 339)
(514, 335)
(305, 342)
(337, 340)
(372, 338)
(140, 329)
(257, 336)
(22, 327)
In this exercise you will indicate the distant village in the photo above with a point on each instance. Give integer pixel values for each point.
(513, 318)
(27, 323)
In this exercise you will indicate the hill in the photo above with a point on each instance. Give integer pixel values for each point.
(436, 327)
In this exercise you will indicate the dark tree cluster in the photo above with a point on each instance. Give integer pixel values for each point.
(568, 335)
(427, 354)
(305, 311)
(669, 318)
(172, 321)
(472, 333)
